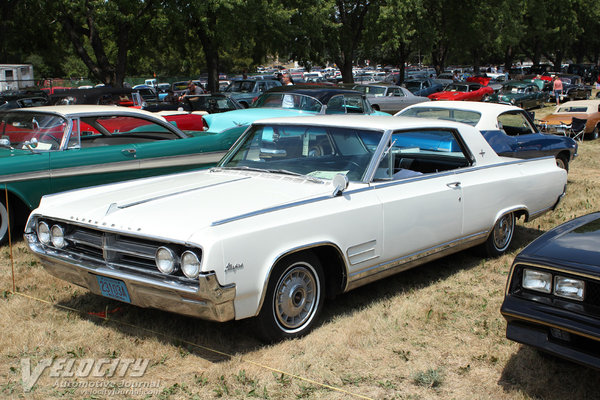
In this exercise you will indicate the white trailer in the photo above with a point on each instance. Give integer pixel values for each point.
(16, 76)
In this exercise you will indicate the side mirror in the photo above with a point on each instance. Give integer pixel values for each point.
(5, 141)
(31, 144)
(340, 183)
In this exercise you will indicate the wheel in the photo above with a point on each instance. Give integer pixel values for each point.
(294, 298)
(594, 134)
(562, 162)
(5, 219)
(501, 236)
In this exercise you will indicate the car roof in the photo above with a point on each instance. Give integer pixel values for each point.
(321, 93)
(368, 122)
(588, 103)
(77, 110)
(386, 84)
(489, 111)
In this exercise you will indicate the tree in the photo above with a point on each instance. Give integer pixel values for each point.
(101, 32)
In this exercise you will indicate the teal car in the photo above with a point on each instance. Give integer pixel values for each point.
(522, 94)
(45, 150)
(291, 101)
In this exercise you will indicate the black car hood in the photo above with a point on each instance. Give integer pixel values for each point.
(575, 242)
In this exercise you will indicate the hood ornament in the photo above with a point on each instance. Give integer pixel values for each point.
(111, 209)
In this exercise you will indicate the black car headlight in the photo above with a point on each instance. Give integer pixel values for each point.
(539, 281)
(569, 288)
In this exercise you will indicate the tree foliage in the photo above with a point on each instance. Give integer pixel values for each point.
(107, 40)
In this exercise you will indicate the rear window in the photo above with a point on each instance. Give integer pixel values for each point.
(466, 117)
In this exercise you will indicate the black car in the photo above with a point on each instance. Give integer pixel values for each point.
(552, 299)
(573, 88)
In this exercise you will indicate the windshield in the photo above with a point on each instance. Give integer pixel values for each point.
(466, 117)
(371, 90)
(414, 85)
(512, 89)
(311, 151)
(457, 88)
(241, 86)
(289, 100)
(43, 132)
(573, 109)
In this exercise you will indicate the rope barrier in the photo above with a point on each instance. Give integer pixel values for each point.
(104, 316)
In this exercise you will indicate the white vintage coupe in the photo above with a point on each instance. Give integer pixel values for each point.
(298, 209)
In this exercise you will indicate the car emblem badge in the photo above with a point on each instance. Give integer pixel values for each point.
(232, 267)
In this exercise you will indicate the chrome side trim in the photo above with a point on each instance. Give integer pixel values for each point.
(26, 176)
(118, 166)
(271, 209)
(379, 271)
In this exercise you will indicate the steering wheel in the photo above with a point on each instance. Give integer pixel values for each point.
(54, 142)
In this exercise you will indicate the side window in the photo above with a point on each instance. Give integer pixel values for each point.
(417, 152)
(515, 123)
(335, 105)
(261, 86)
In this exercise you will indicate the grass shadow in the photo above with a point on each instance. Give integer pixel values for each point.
(542, 376)
(217, 342)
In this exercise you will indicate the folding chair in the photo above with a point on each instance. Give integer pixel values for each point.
(577, 128)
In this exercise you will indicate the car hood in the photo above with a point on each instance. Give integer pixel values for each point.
(447, 95)
(574, 243)
(230, 119)
(158, 206)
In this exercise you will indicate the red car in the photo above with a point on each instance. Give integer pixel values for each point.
(470, 91)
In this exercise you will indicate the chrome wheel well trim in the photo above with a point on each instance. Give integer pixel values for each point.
(299, 249)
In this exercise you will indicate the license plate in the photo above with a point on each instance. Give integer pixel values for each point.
(113, 288)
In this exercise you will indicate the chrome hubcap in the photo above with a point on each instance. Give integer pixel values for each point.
(503, 231)
(296, 297)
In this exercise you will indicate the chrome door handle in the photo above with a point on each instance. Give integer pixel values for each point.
(128, 151)
(453, 185)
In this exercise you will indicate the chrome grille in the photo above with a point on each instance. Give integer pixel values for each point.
(118, 251)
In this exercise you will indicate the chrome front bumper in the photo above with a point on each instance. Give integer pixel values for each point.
(208, 300)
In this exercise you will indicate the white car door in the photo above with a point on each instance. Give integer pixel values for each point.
(423, 200)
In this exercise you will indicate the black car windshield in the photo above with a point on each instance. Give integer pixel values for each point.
(311, 151)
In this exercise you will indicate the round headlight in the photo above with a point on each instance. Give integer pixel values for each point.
(190, 264)
(43, 232)
(165, 260)
(58, 236)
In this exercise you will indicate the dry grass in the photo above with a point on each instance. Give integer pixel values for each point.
(434, 332)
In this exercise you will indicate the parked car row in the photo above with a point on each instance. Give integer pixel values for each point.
(388, 193)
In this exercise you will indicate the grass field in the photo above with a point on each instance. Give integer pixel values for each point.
(434, 332)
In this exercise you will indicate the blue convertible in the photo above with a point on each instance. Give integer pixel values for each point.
(508, 129)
